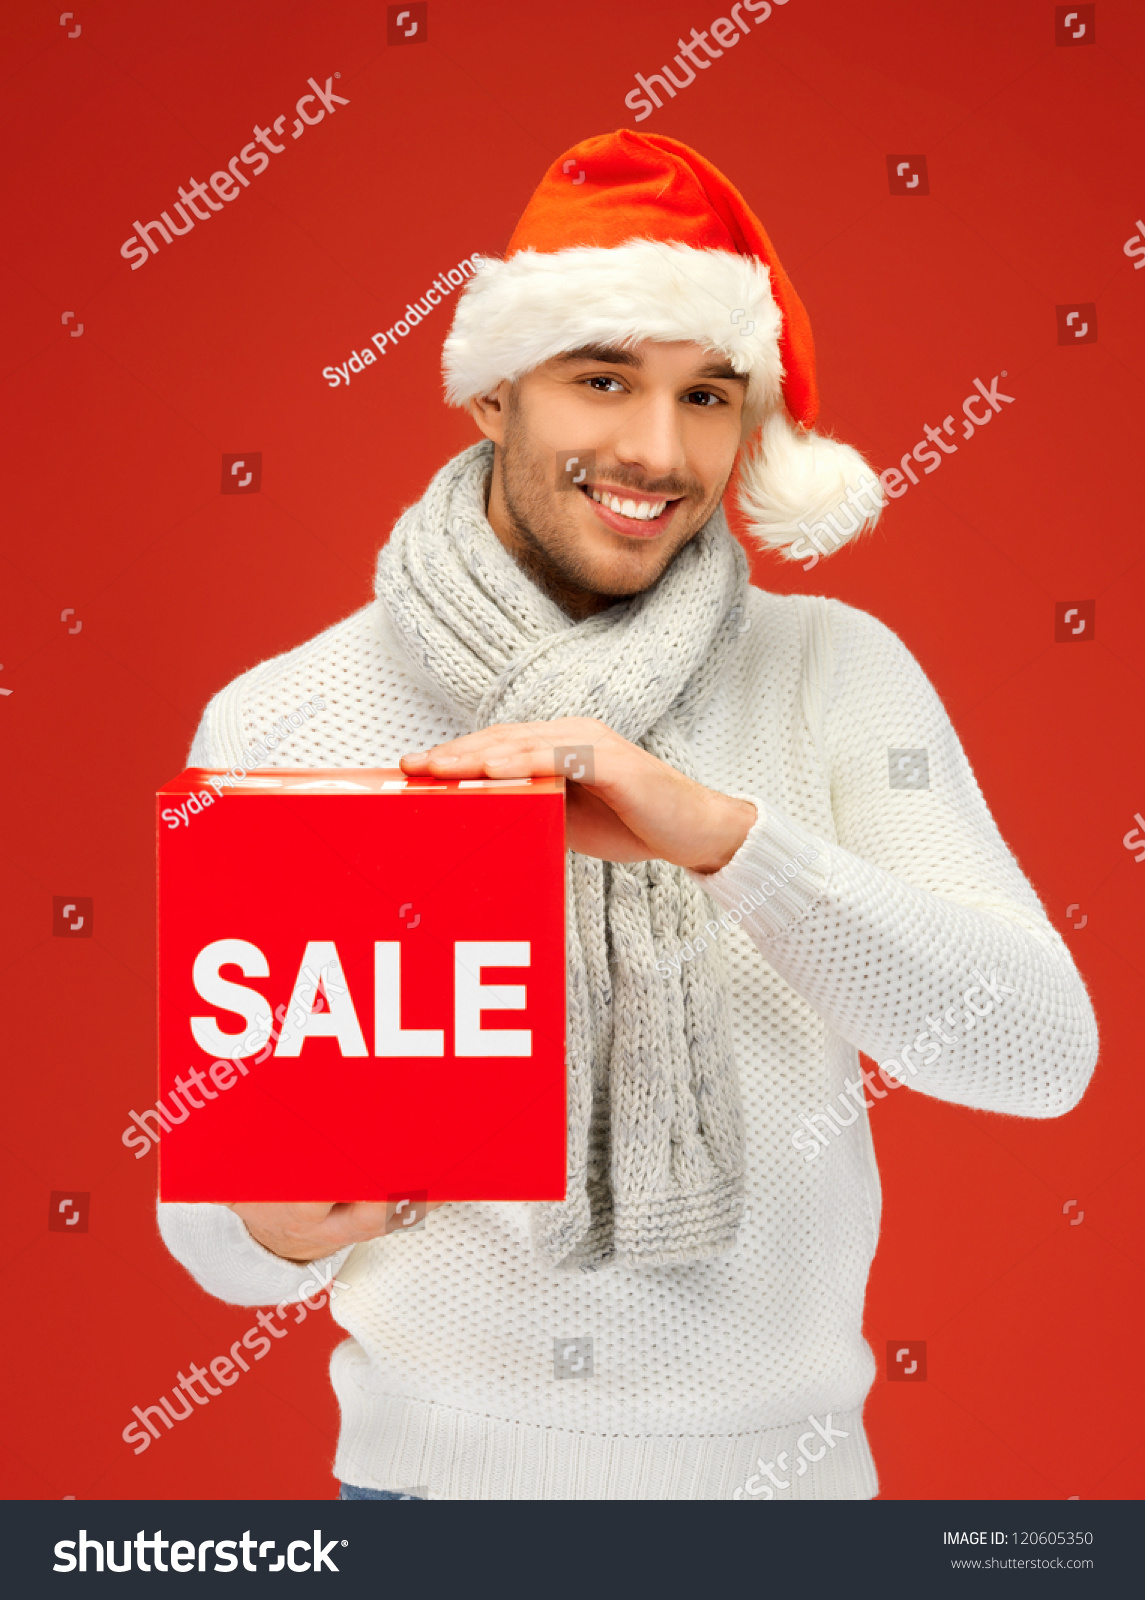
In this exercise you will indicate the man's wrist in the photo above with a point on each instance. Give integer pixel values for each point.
(733, 822)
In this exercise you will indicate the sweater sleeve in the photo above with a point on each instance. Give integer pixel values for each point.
(213, 1244)
(218, 740)
(913, 933)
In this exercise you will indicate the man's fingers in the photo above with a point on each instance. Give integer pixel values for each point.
(535, 741)
(304, 1231)
(303, 1211)
(524, 757)
(521, 761)
(501, 761)
(360, 1219)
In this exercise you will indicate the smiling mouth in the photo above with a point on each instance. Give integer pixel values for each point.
(639, 510)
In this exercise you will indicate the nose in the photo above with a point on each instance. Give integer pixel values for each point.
(649, 436)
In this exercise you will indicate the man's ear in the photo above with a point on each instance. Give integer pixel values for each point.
(488, 411)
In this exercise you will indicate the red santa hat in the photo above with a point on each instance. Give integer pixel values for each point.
(632, 236)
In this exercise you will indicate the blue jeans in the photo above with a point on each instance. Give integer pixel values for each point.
(350, 1491)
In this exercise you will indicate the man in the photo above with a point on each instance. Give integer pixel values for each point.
(779, 858)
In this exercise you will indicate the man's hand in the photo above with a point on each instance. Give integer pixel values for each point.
(309, 1230)
(631, 807)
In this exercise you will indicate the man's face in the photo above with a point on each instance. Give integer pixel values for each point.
(663, 423)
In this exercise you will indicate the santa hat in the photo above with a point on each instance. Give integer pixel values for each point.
(633, 236)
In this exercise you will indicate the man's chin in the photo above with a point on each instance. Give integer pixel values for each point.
(619, 574)
(621, 564)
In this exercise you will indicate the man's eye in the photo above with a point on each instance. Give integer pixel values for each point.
(603, 378)
(704, 397)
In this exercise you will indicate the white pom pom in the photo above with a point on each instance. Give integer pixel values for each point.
(804, 492)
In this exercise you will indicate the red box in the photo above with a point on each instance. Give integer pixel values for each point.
(362, 986)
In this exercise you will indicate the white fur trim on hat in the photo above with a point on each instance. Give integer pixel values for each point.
(513, 315)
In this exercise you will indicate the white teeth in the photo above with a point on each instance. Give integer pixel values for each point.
(638, 510)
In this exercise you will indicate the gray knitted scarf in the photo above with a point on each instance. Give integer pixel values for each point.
(655, 1132)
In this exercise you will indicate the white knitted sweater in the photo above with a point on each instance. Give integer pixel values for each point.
(746, 1373)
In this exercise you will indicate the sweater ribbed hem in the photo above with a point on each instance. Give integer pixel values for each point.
(778, 873)
(445, 1453)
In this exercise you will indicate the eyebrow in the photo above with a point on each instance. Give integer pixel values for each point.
(724, 370)
(617, 356)
(613, 355)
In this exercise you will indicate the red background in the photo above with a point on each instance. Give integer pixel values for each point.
(113, 455)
